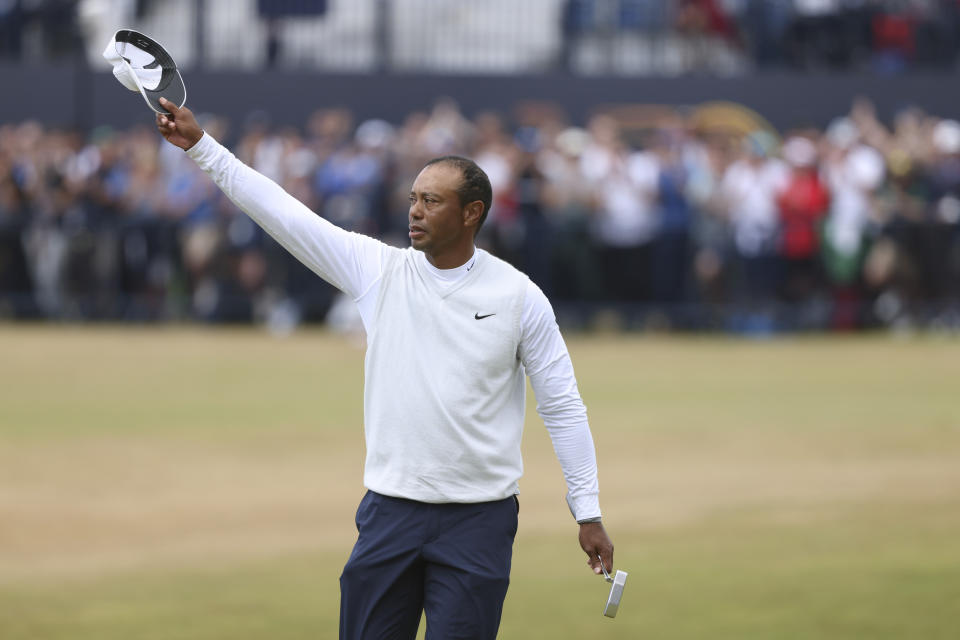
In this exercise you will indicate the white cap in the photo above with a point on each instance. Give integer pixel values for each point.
(946, 136)
(865, 167)
(842, 133)
(800, 152)
(142, 64)
(572, 141)
(374, 134)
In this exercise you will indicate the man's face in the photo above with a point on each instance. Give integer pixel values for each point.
(436, 218)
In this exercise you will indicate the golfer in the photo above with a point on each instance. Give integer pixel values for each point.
(451, 332)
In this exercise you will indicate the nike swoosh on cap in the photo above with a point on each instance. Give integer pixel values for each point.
(477, 316)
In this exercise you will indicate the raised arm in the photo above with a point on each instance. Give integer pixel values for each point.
(547, 362)
(349, 261)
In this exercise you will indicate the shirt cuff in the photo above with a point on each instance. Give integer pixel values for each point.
(204, 151)
(584, 506)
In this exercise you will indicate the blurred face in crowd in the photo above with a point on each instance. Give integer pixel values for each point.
(440, 225)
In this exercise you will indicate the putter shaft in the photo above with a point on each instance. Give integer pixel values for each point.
(606, 575)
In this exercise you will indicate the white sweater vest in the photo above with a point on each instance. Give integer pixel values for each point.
(445, 389)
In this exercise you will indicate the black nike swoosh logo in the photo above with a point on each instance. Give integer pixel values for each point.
(477, 316)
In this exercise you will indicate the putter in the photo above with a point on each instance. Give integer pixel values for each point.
(616, 590)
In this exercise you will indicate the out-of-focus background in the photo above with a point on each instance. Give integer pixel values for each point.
(746, 214)
(751, 167)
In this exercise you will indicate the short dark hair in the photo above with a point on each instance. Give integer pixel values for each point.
(474, 186)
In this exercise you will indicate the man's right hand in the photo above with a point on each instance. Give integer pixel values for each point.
(180, 128)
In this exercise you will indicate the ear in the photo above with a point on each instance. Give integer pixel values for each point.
(472, 213)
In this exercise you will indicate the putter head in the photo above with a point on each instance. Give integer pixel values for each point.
(616, 592)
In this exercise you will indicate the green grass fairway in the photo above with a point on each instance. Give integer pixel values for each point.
(189, 484)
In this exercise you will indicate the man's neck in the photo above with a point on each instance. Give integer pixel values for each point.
(451, 260)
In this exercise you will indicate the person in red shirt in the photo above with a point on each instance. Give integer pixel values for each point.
(802, 203)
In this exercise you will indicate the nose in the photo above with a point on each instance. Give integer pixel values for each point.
(416, 212)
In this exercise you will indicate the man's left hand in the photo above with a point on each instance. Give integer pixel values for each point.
(596, 542)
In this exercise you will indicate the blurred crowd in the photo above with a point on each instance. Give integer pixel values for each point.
(736, 36)
(651, 217)
(633, 37)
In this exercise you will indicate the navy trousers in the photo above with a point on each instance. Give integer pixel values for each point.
(450, 560)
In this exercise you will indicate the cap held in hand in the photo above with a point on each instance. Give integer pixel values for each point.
(142, 64)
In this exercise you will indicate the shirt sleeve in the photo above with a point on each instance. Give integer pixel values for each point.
(349, 261)
(547, 361)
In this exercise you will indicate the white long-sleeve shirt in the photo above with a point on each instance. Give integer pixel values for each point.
(355, 264)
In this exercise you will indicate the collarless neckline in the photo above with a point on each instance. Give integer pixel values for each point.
(439, 279)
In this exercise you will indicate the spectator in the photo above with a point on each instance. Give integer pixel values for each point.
(712, 249)
(854, 173)
(625, 221)
(569, 199)
(749, 188)
(802, 203)
(671, 247)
